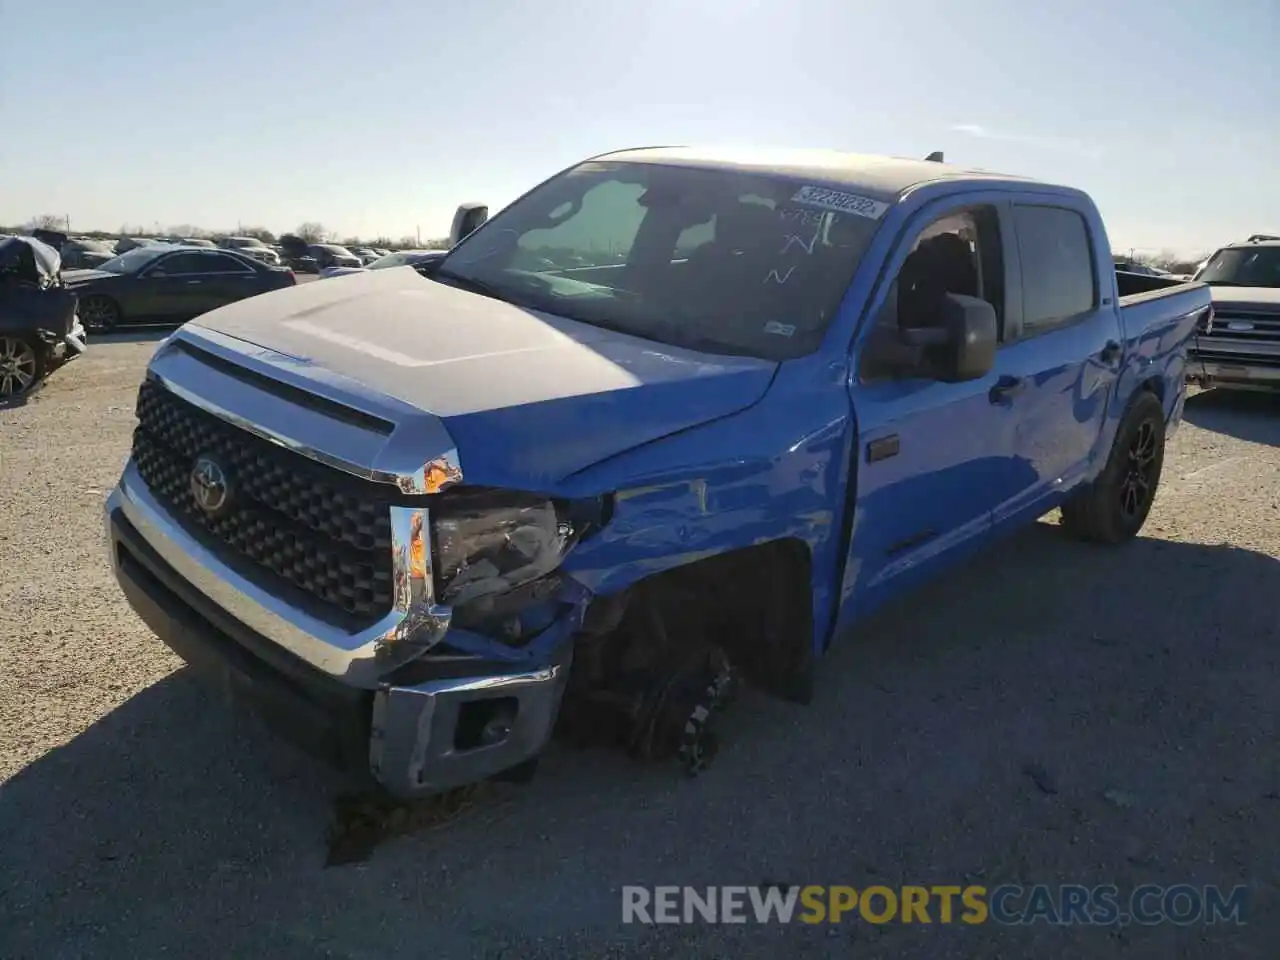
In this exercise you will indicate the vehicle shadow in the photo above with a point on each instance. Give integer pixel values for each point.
(173, 819)
(1254, 417)
(125, 334)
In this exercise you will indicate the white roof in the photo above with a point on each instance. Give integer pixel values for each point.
(887, 176)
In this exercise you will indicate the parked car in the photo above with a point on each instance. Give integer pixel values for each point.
(85, 254)
(162, 284)
(197, 242)
(328, 255)
(251, 247)
(1238, 347)
(125, 244)
(416, 521)
(39, 330)
(403, 258)
(366, 255)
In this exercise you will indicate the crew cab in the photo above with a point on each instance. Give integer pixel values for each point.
(1238, 347)
(672, 420)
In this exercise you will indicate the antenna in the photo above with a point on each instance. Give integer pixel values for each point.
(935, 157)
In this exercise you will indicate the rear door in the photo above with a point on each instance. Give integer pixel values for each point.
(935, 459)
(225, 278)
(1064, 351)
(208, 279)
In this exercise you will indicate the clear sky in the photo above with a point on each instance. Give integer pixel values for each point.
(378, 117)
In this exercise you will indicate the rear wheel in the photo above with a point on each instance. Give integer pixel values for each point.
(98, 314)
(22, 364)
(1114, 507)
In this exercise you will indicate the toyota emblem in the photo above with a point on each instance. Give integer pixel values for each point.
(209, 485)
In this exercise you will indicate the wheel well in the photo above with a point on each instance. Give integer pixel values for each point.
(1154, 385)
(755, 603)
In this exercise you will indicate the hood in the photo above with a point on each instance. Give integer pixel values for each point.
(529, 398)
(341, 271)
(80, 278)
(1265, 299)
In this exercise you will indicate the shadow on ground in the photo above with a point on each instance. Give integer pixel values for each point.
(147, 334)
(1146, 673)
(1254, 417)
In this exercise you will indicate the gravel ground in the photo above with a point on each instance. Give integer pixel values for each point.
(138, 817)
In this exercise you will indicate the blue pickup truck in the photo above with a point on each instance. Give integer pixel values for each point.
(672, 420)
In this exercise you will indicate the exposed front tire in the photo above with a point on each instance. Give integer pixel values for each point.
(1113, 508)
(98, 314)
(22, 365)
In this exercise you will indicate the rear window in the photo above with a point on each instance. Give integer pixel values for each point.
(1058, 280)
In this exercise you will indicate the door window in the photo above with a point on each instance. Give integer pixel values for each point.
(1059, 281)
(958, 253)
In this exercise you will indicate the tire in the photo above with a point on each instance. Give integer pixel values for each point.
(98, 314)
(1113, 508)
(22, 365)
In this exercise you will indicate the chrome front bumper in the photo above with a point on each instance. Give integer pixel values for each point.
(414, 738)
(358, 659)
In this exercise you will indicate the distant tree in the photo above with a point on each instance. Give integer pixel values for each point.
(407, 243)
(352, 242)
(47, 221)
(382, 242)
(310, 231)
(262, 233)
(441, 244)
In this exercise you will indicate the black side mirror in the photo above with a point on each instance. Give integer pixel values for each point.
(961, 344)
(466, 219)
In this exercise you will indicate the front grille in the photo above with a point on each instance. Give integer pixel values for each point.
(320, 537)
(1247, 326)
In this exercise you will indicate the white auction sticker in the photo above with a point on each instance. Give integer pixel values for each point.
(840, 201)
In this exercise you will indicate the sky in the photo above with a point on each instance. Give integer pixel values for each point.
(377, 117)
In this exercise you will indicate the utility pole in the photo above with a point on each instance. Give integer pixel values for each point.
(418, 232)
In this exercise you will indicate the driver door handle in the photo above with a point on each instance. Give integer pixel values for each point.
(191, 283)
(1007, 388)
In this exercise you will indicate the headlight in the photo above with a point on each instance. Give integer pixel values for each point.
(490, 543)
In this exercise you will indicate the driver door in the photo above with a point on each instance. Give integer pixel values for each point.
(935, 459)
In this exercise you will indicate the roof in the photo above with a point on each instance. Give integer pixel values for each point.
(887, 176)
(1251, 244)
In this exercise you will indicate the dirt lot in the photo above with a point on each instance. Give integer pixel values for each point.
(138, 817)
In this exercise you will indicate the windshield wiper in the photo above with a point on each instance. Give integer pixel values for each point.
(472, 284)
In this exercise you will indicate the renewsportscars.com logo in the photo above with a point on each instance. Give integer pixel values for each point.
(1066, 904)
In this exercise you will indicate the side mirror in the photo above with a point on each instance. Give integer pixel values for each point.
(466, 219)
(961, 345)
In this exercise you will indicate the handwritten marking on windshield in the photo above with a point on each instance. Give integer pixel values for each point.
(774, 276)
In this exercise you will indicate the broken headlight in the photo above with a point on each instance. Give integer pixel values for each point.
(490, 543)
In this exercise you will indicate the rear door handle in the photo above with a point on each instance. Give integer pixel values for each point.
(192, 283)
(1111, 352)
(1007, 388)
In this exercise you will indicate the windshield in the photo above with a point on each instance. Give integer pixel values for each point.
(134, 260)
(1243, 267)
(716, 260)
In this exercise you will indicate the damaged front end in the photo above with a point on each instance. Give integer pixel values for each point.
(529, 651)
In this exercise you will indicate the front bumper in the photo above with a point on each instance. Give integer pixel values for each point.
(1234, 364)
(436, 723)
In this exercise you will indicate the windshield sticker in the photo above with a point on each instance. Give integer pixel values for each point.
(840, 202)
(780, 329)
